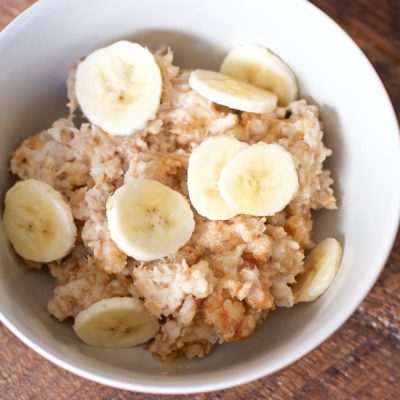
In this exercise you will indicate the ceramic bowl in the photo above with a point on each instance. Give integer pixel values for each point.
(36, 51)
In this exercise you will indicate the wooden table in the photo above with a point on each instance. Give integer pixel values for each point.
(360, 361)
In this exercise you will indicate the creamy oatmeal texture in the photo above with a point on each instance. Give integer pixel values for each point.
(220, 285)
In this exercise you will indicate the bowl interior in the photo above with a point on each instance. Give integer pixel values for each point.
(360, 128)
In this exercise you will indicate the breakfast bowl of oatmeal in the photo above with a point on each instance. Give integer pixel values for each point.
(186, 210)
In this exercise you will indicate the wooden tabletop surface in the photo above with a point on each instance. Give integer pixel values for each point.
(360, 361)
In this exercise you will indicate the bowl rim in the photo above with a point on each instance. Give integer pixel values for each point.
(237, 375)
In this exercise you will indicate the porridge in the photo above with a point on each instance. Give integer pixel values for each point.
(180, 217)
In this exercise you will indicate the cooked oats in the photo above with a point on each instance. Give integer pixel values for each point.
(231, 274)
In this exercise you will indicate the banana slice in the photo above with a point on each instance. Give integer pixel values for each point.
(148, 220)
(320, 268)
(231, 92)
(118, 87)
(115, 322)
(260, 180)
(261, 67)
(38, 222)
(205, 166)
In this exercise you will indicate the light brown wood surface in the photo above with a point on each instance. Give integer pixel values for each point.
(360, 361)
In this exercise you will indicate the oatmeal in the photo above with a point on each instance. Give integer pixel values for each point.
(221, 284)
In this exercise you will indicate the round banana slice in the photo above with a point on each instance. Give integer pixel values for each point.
(148, 220)
(260, 180)
(118, 87)
(115, 322)
(38, 222)
(231, 92)
(205, 166)
(261, 67)
(320, 268)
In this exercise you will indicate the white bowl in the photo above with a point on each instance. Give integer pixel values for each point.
(36, 51)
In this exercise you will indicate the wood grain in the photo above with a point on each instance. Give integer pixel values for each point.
(360, 361)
